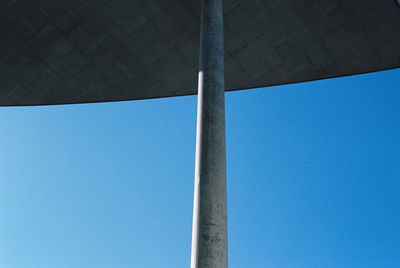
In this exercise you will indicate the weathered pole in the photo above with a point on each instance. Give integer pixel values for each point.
(209, 234)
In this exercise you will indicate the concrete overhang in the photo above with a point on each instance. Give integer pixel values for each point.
(79, 51)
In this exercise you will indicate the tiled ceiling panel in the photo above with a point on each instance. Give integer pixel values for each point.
(78, 51)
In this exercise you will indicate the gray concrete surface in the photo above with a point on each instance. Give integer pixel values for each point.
(73, 51)
(209, 235)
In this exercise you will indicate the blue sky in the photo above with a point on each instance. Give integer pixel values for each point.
(313, 179)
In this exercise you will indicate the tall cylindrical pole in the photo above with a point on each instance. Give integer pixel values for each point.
(209, 234)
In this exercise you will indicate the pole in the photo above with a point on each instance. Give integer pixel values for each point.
(209, 234)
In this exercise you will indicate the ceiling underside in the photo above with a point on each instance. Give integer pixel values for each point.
(77, 51)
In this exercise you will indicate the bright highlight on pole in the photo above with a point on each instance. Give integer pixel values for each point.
(96, 58)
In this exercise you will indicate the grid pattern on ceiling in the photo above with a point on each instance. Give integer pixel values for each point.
(73, 51)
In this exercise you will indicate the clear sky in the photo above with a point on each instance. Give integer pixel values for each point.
(313, 179)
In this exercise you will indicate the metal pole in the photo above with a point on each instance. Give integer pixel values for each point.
(209, 234)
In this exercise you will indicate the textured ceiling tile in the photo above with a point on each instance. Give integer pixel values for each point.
(74, 51)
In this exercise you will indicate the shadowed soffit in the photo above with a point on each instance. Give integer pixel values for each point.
(77, 51)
